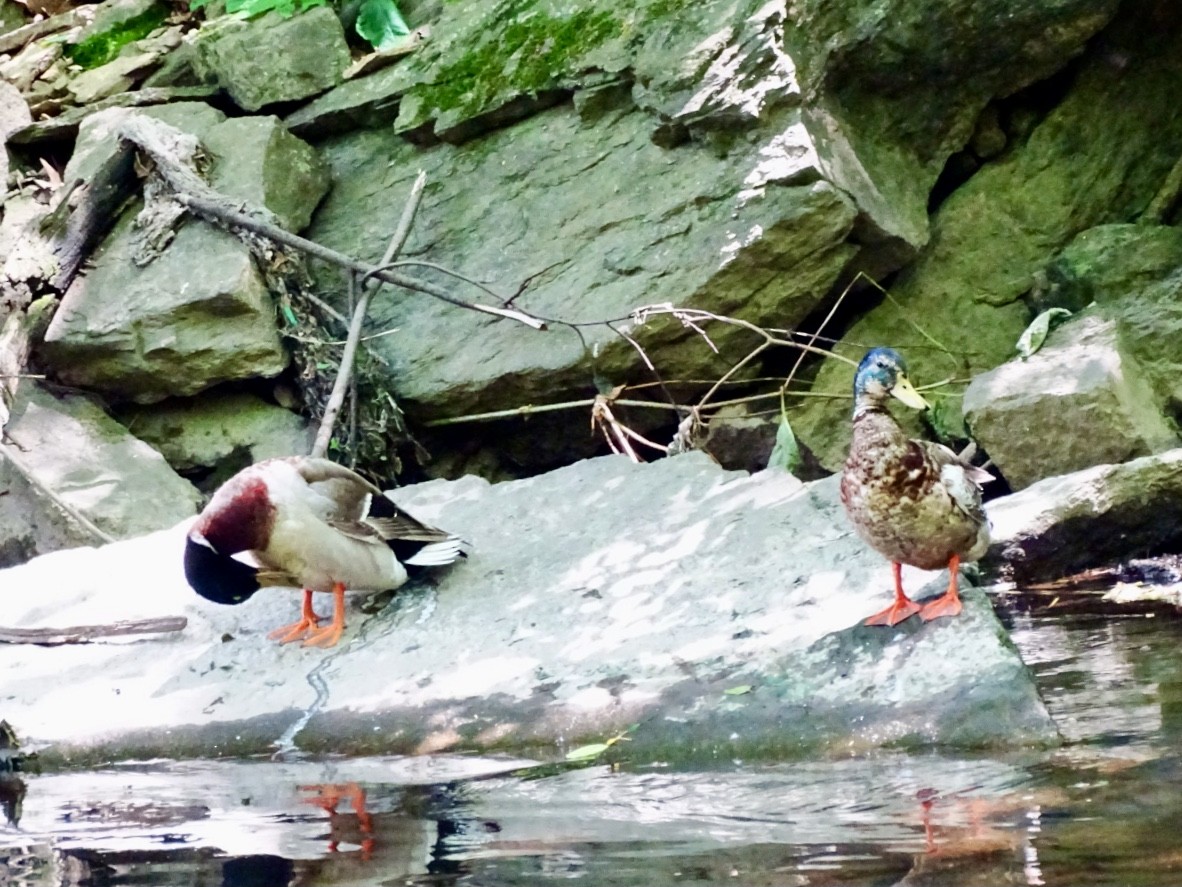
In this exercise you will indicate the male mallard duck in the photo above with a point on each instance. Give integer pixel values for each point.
(916, 502)
(309, 523)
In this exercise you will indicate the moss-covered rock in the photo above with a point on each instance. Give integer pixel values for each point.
(1108, 263)
(201, 313)
(1081, 400)
(1098, 157)
(273, 59)
(116, 24)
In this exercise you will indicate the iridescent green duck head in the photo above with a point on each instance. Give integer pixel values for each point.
(883, 374)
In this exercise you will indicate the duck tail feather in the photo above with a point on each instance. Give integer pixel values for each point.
(437, 554)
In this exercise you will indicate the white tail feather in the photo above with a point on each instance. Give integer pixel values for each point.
(436, 554)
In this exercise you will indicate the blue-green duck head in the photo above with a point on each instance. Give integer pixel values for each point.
(882, 374)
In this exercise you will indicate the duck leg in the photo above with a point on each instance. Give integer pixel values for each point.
(285, 634)
(947, 604)
(331, 633)
(902, 608)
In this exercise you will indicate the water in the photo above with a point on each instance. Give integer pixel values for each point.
(1103, 810)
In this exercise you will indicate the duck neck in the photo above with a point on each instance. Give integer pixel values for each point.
(864, 404)
(239, 518)
(874, 425)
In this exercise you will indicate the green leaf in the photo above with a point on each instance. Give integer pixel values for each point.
(1035, 334)
(786, 452)
(380, 22)
(946, 420)
(587, 752)
(741, 690)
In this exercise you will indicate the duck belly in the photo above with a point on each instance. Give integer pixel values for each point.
(922, 533)
(320, 556)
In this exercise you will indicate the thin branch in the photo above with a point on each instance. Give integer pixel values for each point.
(368, 287)
(811, 342)
(529, 410)
(84, 634)
(215, 210)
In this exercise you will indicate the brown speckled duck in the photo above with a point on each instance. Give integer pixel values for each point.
(914, 501)
(312, 524)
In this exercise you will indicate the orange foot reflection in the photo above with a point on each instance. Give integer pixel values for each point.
(354, 828)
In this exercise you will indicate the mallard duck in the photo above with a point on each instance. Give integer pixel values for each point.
(914, 501)
(307, 523)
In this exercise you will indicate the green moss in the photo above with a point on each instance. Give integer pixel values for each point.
(101, 48)
(663, 8)
(532, 53)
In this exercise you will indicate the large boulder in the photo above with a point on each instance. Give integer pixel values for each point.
(272, 58)
(1086, 519)
(596, 597)
(1107, 264)
(1098, 157)
(65, 449)
(545, 184)
(201, 313)
(215, 435)
(1081, 400)
(1134, 274)
(707, 159)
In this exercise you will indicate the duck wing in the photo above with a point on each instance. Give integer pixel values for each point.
(345, 494)
(961, 479)
(365, 513)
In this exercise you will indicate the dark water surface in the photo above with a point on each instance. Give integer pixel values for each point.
(1104, 810)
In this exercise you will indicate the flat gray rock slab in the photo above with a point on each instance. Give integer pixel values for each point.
(597, 597)
(1100, 515)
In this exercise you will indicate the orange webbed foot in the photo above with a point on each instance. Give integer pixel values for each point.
(902, 608)
(947, 604)
(330, 635)
(944, 605)
(894, 614)
(308, 623)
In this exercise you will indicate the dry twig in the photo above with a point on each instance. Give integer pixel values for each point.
(84, 634)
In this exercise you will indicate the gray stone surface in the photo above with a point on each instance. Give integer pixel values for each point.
(116, 76)
(740, 441)
(1099, 156)
(207, 431)
(1089, 518)
(14, 113)
(604, 221)
(599, 596)
(355, 104)
(1081, 400)
(69, 446)
(272, 59)
(1132, 274)
(201, 313)
(257, 159)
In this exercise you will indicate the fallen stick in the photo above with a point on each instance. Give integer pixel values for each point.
(84, 634)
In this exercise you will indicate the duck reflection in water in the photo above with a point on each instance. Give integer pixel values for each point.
(349, 828)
